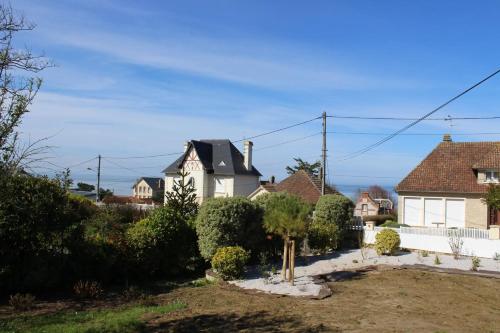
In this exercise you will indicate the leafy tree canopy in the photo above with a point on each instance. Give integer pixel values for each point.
(312, 168)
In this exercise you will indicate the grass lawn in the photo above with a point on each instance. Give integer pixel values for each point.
(396, 300)
(122, 319)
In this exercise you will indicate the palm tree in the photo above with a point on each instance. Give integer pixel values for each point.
(287, 216)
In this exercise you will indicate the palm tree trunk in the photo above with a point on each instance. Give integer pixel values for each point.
(285, 256)
(292, 262)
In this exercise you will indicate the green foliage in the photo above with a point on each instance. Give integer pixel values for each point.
(229, 222)
(437, 261)
(117, 320)
(285, 215)
(182, 198)
(85, 187)
(163, 243)
(493, 197)
(229, 262)
(312, 168)
(379, 219)
(333, 213)
(387, 242)
(476, 263)
(393, 224)
(22, 302)
(424, 253)
(39, 233)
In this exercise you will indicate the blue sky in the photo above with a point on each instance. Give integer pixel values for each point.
(139, 78)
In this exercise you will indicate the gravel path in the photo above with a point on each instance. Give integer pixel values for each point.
(307, 285)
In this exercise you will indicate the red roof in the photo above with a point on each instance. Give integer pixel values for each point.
(304, 185)
(452, 168)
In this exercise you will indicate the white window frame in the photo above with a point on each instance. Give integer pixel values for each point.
(220, 185)
(491, 176)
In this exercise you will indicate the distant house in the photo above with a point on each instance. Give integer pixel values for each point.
(216, 169)
(448, 187)
(301, 184)
(366, 205)
(148, 187)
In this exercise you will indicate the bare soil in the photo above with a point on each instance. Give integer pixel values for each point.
(384, 300)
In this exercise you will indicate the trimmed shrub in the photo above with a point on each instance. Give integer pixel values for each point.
(233, 221)
(387, 242)
(229, 262)
(379, 219)
(162, 244)
(333, 213)
(87, 290)
(393, 224)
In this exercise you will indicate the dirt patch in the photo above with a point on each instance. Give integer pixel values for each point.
(392, 300)
(382, 300)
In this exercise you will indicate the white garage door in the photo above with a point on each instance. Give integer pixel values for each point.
(455, 213)
(412, 211)
(433, 212)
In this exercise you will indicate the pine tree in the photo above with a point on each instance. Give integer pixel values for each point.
(182, 198)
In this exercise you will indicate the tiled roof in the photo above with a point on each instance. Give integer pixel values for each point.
(452, 168)
(211, 153)
(304, 185)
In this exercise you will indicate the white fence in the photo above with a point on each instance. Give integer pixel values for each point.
(475, 241)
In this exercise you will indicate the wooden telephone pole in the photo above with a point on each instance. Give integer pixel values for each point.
(323, 156)
(98, 179)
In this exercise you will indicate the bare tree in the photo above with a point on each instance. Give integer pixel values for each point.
(456, 242)
(18, 88)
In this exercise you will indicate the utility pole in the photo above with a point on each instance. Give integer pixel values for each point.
(98, 178)
(323, 156)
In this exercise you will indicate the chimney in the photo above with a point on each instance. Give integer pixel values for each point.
(247, 154)
(447, 138)
(186, 145)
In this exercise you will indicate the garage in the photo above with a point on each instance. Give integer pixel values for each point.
(433, 213)
(411, 211)
(455, 213)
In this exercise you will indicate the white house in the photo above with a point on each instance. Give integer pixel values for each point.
(447, 189)
(216, 169)
(148, 187)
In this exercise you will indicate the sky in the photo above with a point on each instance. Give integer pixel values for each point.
(140, 78)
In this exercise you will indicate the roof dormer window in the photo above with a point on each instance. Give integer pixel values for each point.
(492, 176)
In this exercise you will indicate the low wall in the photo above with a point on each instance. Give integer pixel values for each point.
(485, 248)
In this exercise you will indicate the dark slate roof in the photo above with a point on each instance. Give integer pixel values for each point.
(211, 153)
(152, 182)
(450, 168)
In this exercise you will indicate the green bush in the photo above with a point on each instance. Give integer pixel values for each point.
(163, 244)
(379, 219)
(39, 234)
(393, 224)
(22, 302)
(229, 262)
(333, 213)
(229, 222)
(387, 242)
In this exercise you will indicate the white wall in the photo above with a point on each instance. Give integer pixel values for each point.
(484, 248)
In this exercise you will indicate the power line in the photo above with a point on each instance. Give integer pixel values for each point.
(137, 157)
(78, 164)
(277, 130)
(380, 142)
(121, 166)
(449, 118)
(415, 134)
(288, 141)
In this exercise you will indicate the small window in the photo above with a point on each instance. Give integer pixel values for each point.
(364, 207)
(191, 181)
(492, 177)
(220, 185)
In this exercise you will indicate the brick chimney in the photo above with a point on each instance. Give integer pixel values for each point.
(447, 138)
(186, 145)
(247, 154)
